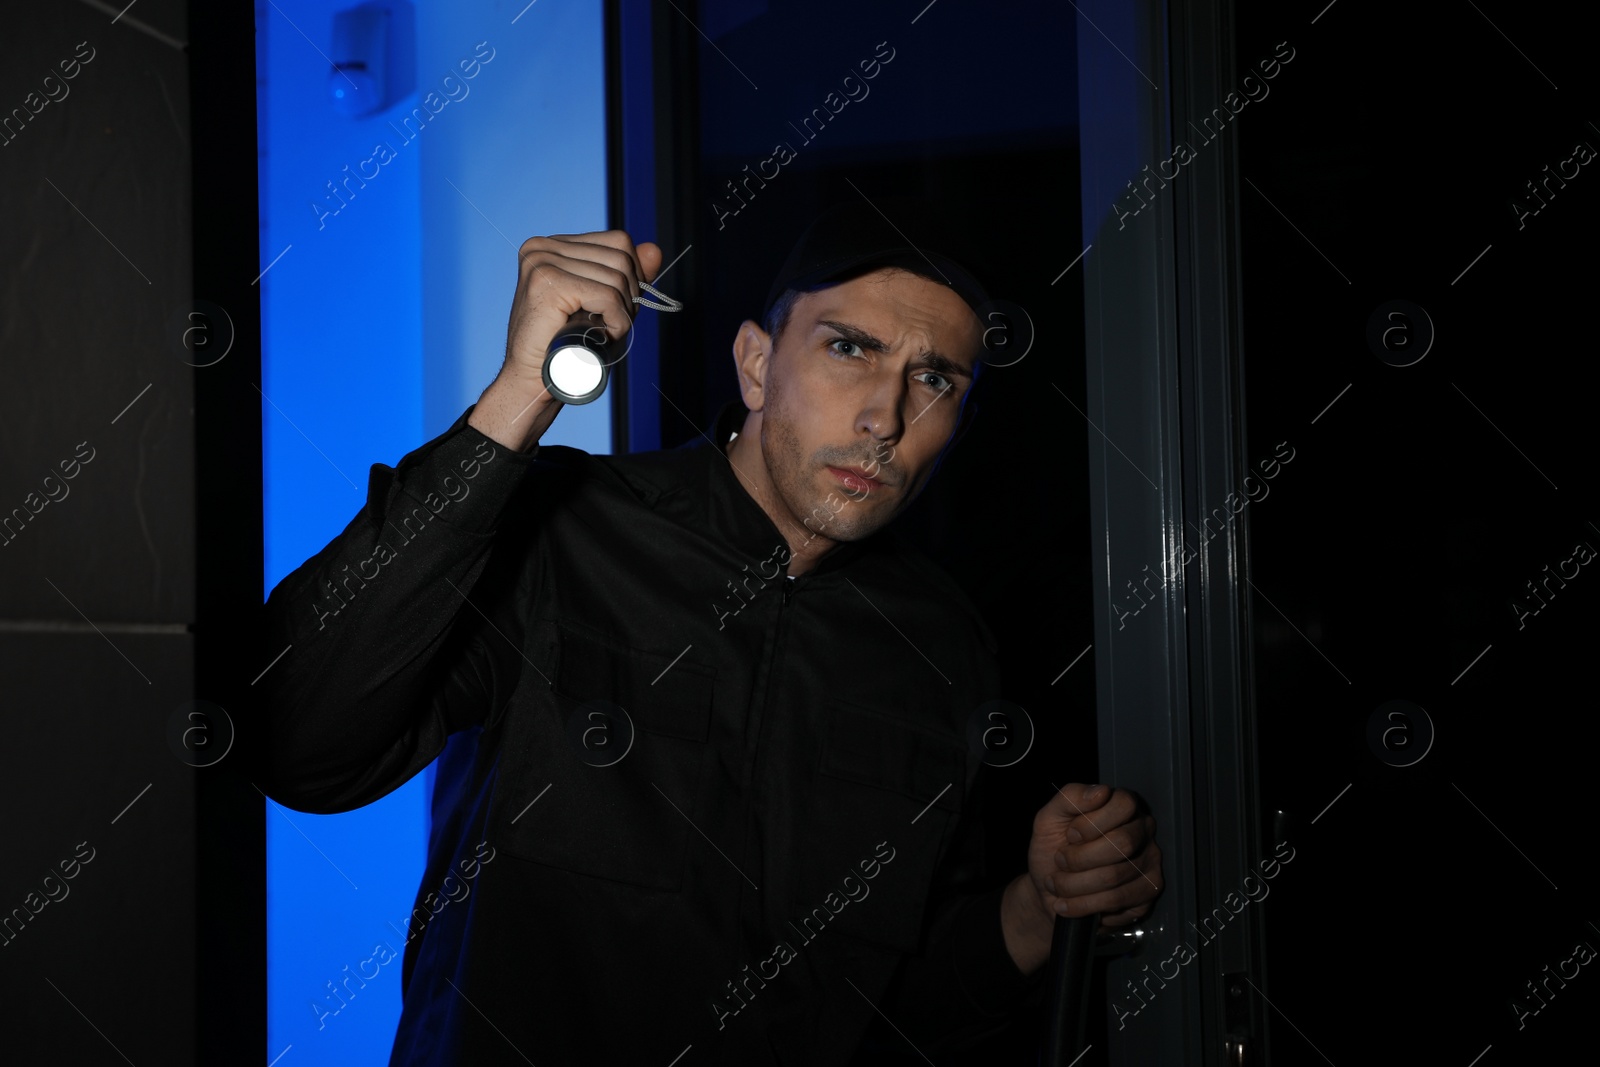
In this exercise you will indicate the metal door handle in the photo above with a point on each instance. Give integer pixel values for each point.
(1116, 940)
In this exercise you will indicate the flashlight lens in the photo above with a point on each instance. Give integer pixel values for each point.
(573, 370)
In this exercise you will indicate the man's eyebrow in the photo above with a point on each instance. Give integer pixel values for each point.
(943, 365)
(934, 361)
(855, 334)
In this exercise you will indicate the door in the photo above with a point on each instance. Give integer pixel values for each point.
(1343, 496)
(1419, 602)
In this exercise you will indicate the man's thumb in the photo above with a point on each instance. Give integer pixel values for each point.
(650, 257)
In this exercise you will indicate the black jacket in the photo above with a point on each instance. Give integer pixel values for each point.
(787, 851)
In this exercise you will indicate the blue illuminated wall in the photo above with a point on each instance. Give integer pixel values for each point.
(384, 309)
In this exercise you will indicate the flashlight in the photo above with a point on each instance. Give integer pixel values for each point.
(577, 364)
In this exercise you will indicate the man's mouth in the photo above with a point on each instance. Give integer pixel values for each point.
(856, 479)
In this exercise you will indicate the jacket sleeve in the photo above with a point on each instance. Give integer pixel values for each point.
(963, 987)
(402, 630)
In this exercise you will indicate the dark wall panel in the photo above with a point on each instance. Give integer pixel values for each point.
(96, 231)
(107, 942)
(112, 588)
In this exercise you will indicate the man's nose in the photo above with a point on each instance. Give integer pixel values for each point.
(883, 408)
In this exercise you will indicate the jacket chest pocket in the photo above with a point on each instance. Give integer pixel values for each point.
(887, 797)
(600, 768)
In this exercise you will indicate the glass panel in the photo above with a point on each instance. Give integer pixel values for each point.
(1416, 225)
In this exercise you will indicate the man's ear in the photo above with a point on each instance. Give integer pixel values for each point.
(752, 353)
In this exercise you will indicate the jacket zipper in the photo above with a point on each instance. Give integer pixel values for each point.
(770, 666)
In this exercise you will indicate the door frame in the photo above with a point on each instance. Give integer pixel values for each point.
(1165, 422)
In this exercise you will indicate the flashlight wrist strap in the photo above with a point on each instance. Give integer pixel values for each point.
(669, 305)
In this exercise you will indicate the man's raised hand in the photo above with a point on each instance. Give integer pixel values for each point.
(558, 276)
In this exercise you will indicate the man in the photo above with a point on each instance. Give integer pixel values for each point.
(705, 788)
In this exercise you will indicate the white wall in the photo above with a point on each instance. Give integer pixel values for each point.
(526, 147)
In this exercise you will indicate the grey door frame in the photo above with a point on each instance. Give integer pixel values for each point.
(1167, 451)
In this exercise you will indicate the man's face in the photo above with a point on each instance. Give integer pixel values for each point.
(859, 398)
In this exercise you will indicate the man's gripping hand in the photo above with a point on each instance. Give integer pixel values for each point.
(1094, 850)
(557, 277)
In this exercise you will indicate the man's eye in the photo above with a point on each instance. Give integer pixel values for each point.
(854, 349)
(940, 382)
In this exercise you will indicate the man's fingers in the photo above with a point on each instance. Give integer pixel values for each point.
(1106, 863)
(617, 273)
(614, 308)
(618, 241)
(1110, 889)
(614, 252)
(1068, 804)
(1075, 798)
(1119, 903)
(1117, 845)
(1118, 808)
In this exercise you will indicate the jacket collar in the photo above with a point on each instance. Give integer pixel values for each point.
(729, 509)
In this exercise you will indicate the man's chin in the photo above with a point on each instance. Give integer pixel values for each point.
(844, 526)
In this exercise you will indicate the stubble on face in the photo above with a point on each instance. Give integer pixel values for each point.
(834, 515)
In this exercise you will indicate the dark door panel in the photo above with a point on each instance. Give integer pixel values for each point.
(1420, 606)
